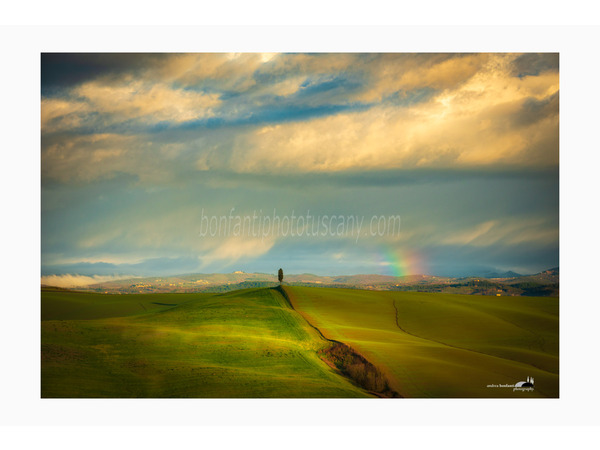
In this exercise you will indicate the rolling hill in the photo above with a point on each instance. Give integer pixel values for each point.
(297, 342)
(440, 345)
(246, 343)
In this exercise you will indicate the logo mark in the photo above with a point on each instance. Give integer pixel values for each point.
(528, 383)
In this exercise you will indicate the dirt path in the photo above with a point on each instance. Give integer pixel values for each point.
(347, 362)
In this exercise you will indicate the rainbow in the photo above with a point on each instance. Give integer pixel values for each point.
(400, 262)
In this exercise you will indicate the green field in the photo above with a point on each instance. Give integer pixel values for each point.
(443, 345)
(251, 343)
(246, 343)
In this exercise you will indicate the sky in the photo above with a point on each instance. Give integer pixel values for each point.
(164, 164)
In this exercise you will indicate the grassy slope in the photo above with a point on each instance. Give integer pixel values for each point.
(73, 305)
(441, 345)
(242, 344)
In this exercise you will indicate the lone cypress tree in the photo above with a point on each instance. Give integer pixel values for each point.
(280, 275)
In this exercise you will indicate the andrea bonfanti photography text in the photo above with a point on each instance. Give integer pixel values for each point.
(304, 224)
(527, 385)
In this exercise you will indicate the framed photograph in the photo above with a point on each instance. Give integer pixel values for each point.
(300, 225)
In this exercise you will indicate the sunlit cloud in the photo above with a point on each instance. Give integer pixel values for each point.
(473, 125)
(478, 114)
(153, 103)
(232, 249)
(100, 105)
(403, 73)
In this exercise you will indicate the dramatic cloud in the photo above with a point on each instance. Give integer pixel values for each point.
(136, 146)
(474, 112)
(489, 120)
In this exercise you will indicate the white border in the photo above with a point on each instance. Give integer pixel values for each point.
(19, 334)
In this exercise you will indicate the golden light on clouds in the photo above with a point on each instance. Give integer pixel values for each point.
(467, 126)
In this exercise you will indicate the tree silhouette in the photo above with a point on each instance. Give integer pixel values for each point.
(280, 275)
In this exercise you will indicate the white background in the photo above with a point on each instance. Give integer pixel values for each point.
(414, 423)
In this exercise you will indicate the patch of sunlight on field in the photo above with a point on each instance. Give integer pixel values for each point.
(246, 343)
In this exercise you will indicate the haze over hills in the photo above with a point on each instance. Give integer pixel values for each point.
(545, 283)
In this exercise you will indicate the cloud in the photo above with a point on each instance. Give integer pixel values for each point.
(86, 158)
(469, 236)
(96, 105)
(62, 113)
(225, 71)
(134, 146)
(302, 113)
(401, 73)
(534, 63)
(231, 250)
(507, 232)
(89, 157)
(150, 102)
(73, 281)
(491, 119)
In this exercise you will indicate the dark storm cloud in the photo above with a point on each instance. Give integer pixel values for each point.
(530, 64)
(534, 110)
(67, 70)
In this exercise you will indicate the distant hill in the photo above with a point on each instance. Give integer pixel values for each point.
(509, 274)
(506, 283)
(549, 276)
